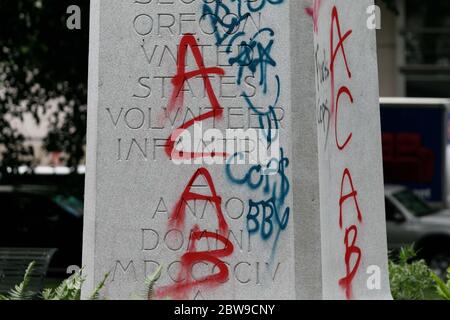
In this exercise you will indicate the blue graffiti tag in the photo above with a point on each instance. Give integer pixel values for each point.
(254, 56)
(268, 115)
(276, 186)
(267, 217)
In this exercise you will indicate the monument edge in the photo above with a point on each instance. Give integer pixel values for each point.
(89, 222)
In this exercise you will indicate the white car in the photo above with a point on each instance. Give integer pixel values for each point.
(410, 220)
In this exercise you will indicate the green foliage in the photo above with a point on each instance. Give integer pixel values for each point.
(406, 254)
(69, 289)
(21, 291)
(410, 278)
(96, 294)
(443, 289)
(43, 63)
(150, 282)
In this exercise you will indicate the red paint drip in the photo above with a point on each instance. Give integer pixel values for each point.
(350, 251)
(314, 13)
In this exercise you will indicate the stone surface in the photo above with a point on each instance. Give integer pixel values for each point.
(352, 217)
(134, 218)
(305, 154)
(280, 236)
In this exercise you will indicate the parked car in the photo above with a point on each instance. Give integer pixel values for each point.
(410, 220)
(42, 217)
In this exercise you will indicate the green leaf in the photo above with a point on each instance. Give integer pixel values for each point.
(21, 292)
(69, 289)
(96, 294)
(409, 279)
(150, 282)
(406, 254)
(47, 294)
(442, 288)
(2, 297)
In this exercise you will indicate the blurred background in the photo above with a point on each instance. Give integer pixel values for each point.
(43, 96)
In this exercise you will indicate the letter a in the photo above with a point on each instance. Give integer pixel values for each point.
(353, 194)
(179, 213)
(177, 98)
(334, 51)
(74, 20)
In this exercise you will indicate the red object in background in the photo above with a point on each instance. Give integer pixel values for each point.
(406, 160)
(55, 158)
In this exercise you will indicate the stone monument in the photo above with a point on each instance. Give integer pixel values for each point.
(345, 168)
(232, 145)
(162, 74)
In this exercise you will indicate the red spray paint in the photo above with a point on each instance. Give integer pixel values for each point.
(179, 213)
(314, 13)
(352, 251)
(177, 98)
(186, 282)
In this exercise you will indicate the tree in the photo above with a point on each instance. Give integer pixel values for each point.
(41, 61)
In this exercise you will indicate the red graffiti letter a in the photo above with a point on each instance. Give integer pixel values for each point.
(177, 98)
(179, 213)
(340, 45)
(334, 51)
(353, 194)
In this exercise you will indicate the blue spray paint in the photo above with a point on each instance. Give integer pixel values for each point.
(270, 216)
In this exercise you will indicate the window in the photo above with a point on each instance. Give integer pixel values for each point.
(413, 203)
(426, 36)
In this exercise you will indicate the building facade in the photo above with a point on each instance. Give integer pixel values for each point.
(414, 49)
